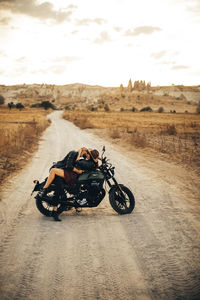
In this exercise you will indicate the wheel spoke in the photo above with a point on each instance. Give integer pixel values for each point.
(122, 199)
(47, 206)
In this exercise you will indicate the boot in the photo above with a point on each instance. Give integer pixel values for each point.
(55, 216)
(42, 193)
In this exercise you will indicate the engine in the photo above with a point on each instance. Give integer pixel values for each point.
(91, 191)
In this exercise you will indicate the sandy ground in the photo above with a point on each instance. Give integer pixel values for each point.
(154, 253)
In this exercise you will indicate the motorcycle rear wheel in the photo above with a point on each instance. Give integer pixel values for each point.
(47, 209)
(122, 200)
(44, 207)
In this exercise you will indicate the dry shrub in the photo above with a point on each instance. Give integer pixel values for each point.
(115, 133)
(19, 137)
(176, 135)
(83, 122)
(169, 129)
(138, 139)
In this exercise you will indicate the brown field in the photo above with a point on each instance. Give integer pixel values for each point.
(177, 136)
(20, 132)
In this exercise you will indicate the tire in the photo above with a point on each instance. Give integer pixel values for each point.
(117, 201)
(44, 207)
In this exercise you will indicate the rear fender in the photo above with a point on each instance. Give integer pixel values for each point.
(38, 186)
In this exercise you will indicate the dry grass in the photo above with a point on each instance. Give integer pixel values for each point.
(20, 132)
(176, 135)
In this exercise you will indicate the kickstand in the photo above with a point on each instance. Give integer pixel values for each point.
(78, 209)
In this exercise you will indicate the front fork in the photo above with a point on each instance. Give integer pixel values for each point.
(119, 188)
(115, 183)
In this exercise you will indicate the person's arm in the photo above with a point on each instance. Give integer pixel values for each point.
(80, 152)
(77, 171)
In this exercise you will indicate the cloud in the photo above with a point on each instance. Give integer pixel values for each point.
(103, 38)
(158, 55)
(193, 5)
(71, 6)
(4, 20)
(2, 53)
(74, 32)
(167, 63)
(86, 22)
(21, 59)
(118, 29)
(66, 59)
(33, 9)
(180, 67)
(2, 72)
(142, 30)
(57, 69)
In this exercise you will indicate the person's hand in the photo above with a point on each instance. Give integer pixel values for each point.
(78, 171)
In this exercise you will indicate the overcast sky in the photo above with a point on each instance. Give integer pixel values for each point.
(104, 42)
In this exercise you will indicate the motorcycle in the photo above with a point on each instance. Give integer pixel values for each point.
(88, 185)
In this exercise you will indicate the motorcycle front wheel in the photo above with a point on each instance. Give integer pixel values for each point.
(121, 199)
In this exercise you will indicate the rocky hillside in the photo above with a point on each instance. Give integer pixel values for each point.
(60, 94)
(72, 93)
(190, 93)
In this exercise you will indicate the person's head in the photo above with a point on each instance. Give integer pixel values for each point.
(94, 154)
(85, 153)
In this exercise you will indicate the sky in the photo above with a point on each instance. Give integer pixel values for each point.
(100, 42)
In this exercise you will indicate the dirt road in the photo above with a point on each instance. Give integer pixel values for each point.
(154, 253)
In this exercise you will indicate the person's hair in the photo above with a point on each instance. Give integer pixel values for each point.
(95, 153)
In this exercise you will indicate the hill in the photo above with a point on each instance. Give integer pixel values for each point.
(183, 98)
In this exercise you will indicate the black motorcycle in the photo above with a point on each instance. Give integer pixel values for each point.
(90, 186)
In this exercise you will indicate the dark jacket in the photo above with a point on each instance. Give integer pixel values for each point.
(68, 161)
(85, 165)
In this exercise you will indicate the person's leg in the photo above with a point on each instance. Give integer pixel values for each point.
(52, 174)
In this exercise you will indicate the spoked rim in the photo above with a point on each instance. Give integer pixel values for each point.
(47, 206)
(122, 200)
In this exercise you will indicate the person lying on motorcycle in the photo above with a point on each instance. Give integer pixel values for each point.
(90, 162)
(74, 163)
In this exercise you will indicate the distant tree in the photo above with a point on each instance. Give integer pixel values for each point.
(2, 99)
(92, 108)
(11, 105)
(133, 109)
(47, 105)
(147, 108)
(130, 86)
(106, 107)
(19, 106)
(161, 109)
(36, 105)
